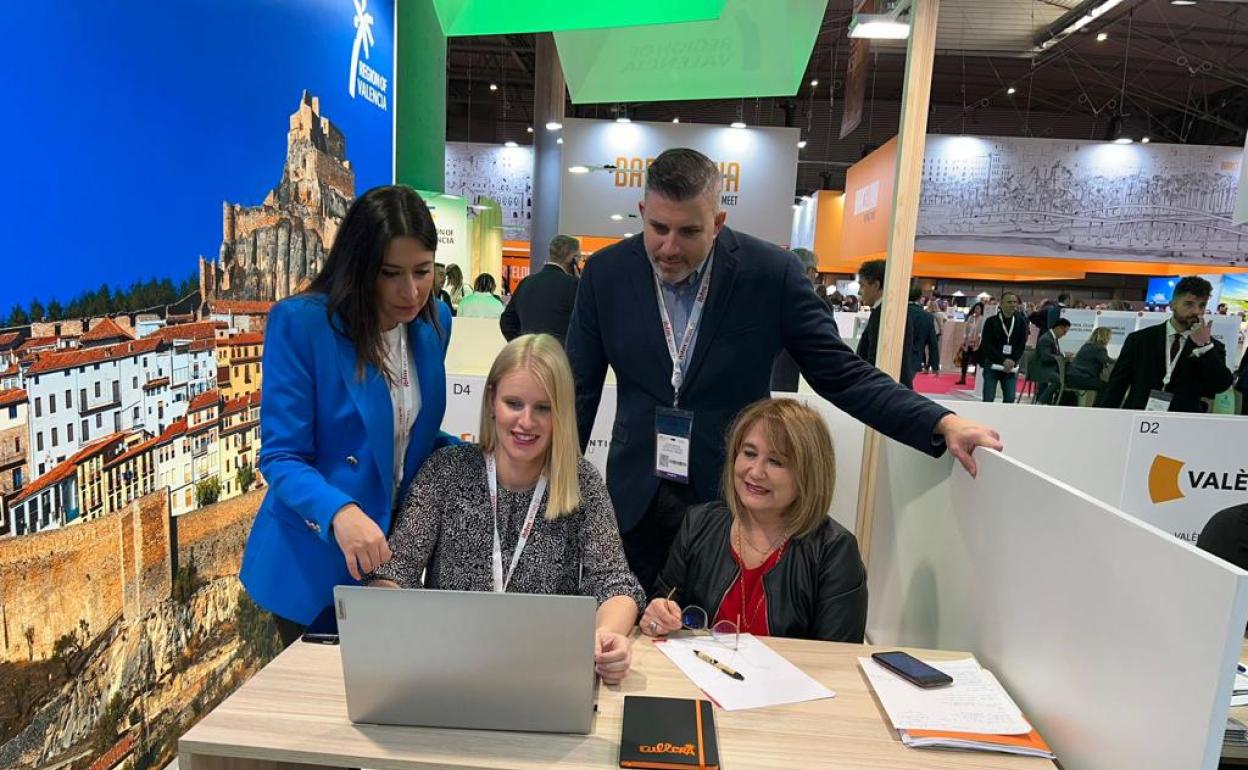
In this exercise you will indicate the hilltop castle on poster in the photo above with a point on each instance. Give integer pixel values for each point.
(273, 250)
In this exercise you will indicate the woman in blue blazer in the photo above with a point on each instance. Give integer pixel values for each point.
(353, 396)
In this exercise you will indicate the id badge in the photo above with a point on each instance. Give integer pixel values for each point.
(673, 430)
(1159, 401)
(1007, 349)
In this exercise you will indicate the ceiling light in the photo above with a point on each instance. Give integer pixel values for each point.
(1101, 37)
(493, 86)
(616, 217)
(738, 124)
(1145, 140)
(801, 144)
(578, 169)
(528, 129)
(878, 26)
(1011, 90)
(1123, 140)
(1182, 2)
(623, 119)
(628, 235)
(814, 83)
(559, 140)
(510, 143)
(676, 119)
(553, 125)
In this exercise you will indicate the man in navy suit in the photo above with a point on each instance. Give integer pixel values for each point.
(690, 315)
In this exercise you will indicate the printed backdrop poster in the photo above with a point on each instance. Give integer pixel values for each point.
(1060, 198)
(172, 170)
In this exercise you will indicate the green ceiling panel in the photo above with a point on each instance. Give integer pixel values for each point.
(501, 17)
(755, 48)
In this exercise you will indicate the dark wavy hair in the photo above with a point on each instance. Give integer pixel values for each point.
(349, 277)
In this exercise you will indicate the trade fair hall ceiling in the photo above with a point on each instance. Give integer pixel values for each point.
(1145, 68)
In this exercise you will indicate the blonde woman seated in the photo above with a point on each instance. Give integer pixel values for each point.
(466, 522)
(768, 560)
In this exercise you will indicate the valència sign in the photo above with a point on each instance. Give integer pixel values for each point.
(365, 82)
(1182, 469)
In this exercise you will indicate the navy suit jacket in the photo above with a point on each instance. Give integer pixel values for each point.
(326, 440)
(759, 303)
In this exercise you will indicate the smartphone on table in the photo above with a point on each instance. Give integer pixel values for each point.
(320, 638)
(912, 669)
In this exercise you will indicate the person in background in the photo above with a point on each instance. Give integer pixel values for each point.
(1046, 367)
(1001, 347)
(542, 303)
(1055, 310)
(482, 302)
(455, 286)
(924, 337)
(1175, 364)
(439, 284)
(972, 333)
(690, 315)
(1222, 308)
(1084, 373)
(851, 304)
(871, 290)
(785, 375)
(767, 559)
(353, 395)
(1241, 384)
(471, 523)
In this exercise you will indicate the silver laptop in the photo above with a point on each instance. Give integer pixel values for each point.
(485, 661)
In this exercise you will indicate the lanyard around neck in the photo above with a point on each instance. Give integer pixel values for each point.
(501, 581)
(680, 355)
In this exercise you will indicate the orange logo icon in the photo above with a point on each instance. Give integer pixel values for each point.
(1163, 479)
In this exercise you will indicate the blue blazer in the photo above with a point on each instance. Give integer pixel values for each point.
(327, 439)
(759, 303)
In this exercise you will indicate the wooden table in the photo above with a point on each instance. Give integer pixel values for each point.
(293, 713)
(1237, 755)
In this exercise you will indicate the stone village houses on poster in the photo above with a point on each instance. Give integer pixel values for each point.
(91, 421)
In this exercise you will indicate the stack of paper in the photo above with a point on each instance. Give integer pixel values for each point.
(973, 713)
(1239, 695)
(1236, 734)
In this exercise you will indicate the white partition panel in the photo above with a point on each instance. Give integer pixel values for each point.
(1086, 448)
(1118, 641)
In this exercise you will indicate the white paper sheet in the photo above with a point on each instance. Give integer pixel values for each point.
(974, 703)
(770, 680)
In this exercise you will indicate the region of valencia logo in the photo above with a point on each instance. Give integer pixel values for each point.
(1163, 479)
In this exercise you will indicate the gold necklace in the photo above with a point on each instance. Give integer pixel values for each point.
(775, 544)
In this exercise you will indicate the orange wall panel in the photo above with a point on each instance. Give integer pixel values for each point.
(869, 204)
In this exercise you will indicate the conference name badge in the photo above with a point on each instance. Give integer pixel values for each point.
(673, 430)
(1007, 349)
(1159, 401)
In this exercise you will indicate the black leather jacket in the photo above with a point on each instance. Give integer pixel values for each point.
(818, 589)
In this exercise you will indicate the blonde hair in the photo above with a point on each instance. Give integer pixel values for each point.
(1101, 335)
(543, 357)
(796, 433)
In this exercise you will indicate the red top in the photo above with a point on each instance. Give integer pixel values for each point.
(745, 604)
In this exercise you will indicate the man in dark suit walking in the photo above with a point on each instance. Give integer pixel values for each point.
(1172, 366)
(690, 316)
(542, 303)
(925, 338)
(871, 289)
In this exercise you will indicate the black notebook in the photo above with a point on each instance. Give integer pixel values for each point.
(675, 733)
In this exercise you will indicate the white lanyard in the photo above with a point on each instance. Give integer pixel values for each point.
(695, 317)
(1010, 331)
(1172, 361)
(491, 472)
(405, 407)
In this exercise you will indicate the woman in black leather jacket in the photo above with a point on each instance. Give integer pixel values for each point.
(768, 559)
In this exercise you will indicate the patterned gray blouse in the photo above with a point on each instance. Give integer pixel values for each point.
(443, 530)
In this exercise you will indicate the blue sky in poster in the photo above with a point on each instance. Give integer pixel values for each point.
(125, 126)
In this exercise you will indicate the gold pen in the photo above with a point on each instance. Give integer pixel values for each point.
(703, 656)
